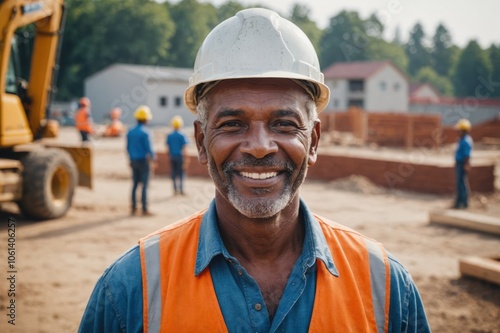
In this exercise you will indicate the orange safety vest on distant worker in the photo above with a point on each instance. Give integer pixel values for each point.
(82, 120)
(114, 129)
(175, 300)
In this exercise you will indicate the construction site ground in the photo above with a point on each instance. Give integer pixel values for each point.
(59, 261)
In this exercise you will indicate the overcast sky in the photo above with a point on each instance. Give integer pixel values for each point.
(465, 19)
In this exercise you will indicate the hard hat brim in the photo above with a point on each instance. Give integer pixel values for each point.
(321, 100)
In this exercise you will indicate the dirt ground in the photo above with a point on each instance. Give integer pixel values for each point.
(59, 261)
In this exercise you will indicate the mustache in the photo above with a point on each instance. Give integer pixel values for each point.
(250, 161)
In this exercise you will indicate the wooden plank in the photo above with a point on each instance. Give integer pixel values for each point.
(487, 269)
(467, 220)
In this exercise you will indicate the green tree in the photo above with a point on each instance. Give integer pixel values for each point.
(193, 23)
(300, 16)
(95, 38)
(472, 65)
(494, 54)
(398, 40)
(441, 51)
(379, 49)
(373, 27)
(418, 54)
(428, 75)
(228, 9)
(344, 39)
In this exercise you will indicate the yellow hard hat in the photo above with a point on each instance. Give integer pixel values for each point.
(463, 125)
(177, 122)
(143, 113)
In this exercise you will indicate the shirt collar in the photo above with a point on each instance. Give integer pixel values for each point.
(210, 242)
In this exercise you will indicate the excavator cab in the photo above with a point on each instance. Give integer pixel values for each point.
(39, 175)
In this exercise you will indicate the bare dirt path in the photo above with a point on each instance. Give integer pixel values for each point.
(59, 261)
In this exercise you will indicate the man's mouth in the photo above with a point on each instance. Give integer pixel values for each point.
(255, 175)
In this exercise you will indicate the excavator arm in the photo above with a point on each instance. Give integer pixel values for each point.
(24, 108)
(17, 127)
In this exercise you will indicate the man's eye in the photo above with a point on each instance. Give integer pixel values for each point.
(230, 124)
(285, 124)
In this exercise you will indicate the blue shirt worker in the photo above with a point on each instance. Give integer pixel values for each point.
(141, 154)
(462, 163)
(176, 143)
(257, 259)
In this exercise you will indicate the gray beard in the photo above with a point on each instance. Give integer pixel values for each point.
(259, 208)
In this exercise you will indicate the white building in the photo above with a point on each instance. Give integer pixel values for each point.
(128, 86)
(375, 86)
(423, 91)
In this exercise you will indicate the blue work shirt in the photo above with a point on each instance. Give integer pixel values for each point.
(175, 142)
(116, 302)
(464, 148)
(139, 144)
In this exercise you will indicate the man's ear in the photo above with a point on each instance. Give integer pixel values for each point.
(313, 148)
(199, 137)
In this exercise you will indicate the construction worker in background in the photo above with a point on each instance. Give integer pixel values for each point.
(140, 151)
(115, 128)
(257, 260)
(176, 143)
(462, 163)
(83, 119)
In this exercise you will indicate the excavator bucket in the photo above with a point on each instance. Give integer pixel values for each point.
(82, 156)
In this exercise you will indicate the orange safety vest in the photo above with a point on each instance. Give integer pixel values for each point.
(114, 129)
(82, 120)
(175, 300)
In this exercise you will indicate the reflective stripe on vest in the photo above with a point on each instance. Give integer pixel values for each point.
(153, 300)
(177, 301)
(378, 279)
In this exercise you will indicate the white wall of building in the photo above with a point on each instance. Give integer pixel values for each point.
(127, 87)
(450, 114)
(338, 94)
(111, 88)
(426, 92)
(173, 93)
(386, 91)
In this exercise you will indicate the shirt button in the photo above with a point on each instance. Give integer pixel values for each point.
(240, 272)
(258, 306)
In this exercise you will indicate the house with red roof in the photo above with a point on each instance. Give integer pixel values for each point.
(423, 92)
(375, 86)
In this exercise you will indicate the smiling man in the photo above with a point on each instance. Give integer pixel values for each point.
(257, 260)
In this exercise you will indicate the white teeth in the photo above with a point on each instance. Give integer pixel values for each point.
(255, 175)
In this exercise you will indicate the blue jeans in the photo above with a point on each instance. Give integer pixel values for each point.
(177, 173)
(85, 136)
(462, 185)
(140, 174)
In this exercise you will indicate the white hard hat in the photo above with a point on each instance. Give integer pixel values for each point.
(257, 43)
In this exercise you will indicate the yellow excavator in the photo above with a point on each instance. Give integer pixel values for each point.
(35, 172)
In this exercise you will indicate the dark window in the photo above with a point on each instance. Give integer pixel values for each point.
(163, 101)
(356, 85)
(356, 102)
(178, 101)
(383, 85)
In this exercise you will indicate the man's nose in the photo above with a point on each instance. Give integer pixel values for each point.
(260, 142)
